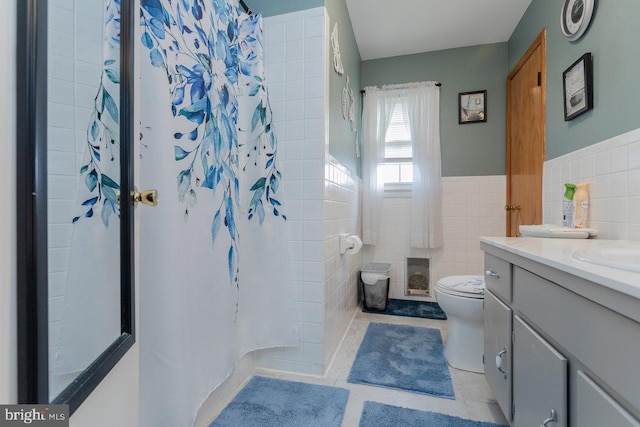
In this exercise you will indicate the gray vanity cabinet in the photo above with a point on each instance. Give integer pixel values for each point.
(539, 380)
(497, 349)
(575, 345)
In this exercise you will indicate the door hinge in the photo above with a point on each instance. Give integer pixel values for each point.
(483, 359)
(539, 78)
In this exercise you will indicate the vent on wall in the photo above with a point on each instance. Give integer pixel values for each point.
(417, 277)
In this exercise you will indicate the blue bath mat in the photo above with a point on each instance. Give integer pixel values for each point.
(401, 307)
(269, 402)
(378, 414)
(403, 357)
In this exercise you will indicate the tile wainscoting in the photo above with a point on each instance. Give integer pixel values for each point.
(612, 168)
(472, 206)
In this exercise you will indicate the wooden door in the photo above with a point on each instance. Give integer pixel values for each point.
(526, 106)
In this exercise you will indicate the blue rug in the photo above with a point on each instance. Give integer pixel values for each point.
(401, 307)
(403, 357)
(378, 414)
(269, 402)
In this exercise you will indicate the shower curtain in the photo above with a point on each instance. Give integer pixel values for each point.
(214, 253)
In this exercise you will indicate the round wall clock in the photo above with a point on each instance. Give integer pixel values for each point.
(575, 18)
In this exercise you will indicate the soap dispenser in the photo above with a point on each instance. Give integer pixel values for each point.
(581, 203)
(567, 205)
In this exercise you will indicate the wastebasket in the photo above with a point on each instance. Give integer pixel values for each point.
(375, 285)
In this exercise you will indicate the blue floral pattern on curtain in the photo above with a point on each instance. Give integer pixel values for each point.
(207, 64)
(263, 147)
(211, 151)
(100, 169)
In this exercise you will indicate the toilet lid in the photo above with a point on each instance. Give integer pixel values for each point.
(465, 286)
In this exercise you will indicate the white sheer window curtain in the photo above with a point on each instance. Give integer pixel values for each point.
(422, 109)
(376, 116)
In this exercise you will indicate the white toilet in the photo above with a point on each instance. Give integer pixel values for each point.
(461, 298)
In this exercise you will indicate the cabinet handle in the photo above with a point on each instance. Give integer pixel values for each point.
(552, 419)
(492, 273)
(499, 361)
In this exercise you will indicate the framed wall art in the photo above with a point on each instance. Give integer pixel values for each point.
(472, 107)
(577, 84)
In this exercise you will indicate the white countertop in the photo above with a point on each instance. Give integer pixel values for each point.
(558, 253)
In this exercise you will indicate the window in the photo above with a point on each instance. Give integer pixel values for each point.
(397, 168)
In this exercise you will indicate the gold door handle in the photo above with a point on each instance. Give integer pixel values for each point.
(147, 197)
(511, 207)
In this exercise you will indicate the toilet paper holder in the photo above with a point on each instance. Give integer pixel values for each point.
(349, 244)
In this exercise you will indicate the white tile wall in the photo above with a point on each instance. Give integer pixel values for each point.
(74, 66)
(341, 215)
(612, 168)
(295, 72)
(472, 206)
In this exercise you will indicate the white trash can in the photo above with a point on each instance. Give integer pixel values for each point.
(375, 285)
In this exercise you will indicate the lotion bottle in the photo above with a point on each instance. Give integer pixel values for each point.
(567, 205)
(581, 203)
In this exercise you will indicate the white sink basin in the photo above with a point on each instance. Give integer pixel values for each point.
(623, 255)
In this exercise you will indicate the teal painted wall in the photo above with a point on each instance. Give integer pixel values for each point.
(613, 41)
(341, 138)
(471, 149)
(278, 7)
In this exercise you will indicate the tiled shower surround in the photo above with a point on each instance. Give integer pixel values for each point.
(612, 168)
(322, 197)
(472, 206)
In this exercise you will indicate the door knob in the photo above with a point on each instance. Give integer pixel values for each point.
(511, 207)
(146, 197)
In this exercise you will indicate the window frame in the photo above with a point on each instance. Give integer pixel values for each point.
(401, 135)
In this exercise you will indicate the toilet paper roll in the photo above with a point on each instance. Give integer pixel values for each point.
(355, 243)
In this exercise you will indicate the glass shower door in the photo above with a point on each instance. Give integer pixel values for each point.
(75, 232)
(83, 175)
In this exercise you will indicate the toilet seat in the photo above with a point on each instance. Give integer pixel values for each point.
(462, 286)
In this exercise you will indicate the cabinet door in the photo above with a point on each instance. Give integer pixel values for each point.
(497, 350)
(595, 408)
(539, 380)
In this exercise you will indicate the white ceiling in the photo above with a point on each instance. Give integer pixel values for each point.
(385, 28)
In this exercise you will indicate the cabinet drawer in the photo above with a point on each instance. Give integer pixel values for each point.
(595, 408)
(497, 276)
(606, 342)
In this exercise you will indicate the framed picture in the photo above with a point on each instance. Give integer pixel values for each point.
(577, 83)
(472, 107)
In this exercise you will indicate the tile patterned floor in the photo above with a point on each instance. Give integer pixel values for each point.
(474, 399)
